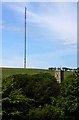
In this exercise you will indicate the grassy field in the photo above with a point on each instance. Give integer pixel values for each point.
(11, 71)
(0, 77)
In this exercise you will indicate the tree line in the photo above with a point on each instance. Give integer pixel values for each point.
(65, 69)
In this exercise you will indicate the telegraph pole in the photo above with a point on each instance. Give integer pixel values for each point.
(25, 42)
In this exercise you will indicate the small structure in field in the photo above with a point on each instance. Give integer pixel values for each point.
(59, 75)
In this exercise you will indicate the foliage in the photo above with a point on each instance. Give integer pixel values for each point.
(40, 97)
(39, 87)
(15, 104)
(70, 97)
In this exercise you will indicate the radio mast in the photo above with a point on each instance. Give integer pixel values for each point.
(25, 42)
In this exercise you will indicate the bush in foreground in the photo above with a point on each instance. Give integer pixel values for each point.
(40, 97)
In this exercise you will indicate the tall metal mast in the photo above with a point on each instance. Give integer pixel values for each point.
(25, 42)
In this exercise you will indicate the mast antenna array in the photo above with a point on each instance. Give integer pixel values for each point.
(25, 42)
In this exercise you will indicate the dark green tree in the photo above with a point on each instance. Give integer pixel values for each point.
(67, 105)
(15, 105)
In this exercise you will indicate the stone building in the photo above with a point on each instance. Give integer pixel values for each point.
(59, 75)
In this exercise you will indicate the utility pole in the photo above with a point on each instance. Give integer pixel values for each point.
(25, 42)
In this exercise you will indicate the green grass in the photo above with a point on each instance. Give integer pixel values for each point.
(0, 77)
(67, 74)
(11, 71)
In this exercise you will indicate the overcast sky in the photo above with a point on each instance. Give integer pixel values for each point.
(51, 34)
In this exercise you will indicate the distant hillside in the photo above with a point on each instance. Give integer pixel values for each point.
(11, 71)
